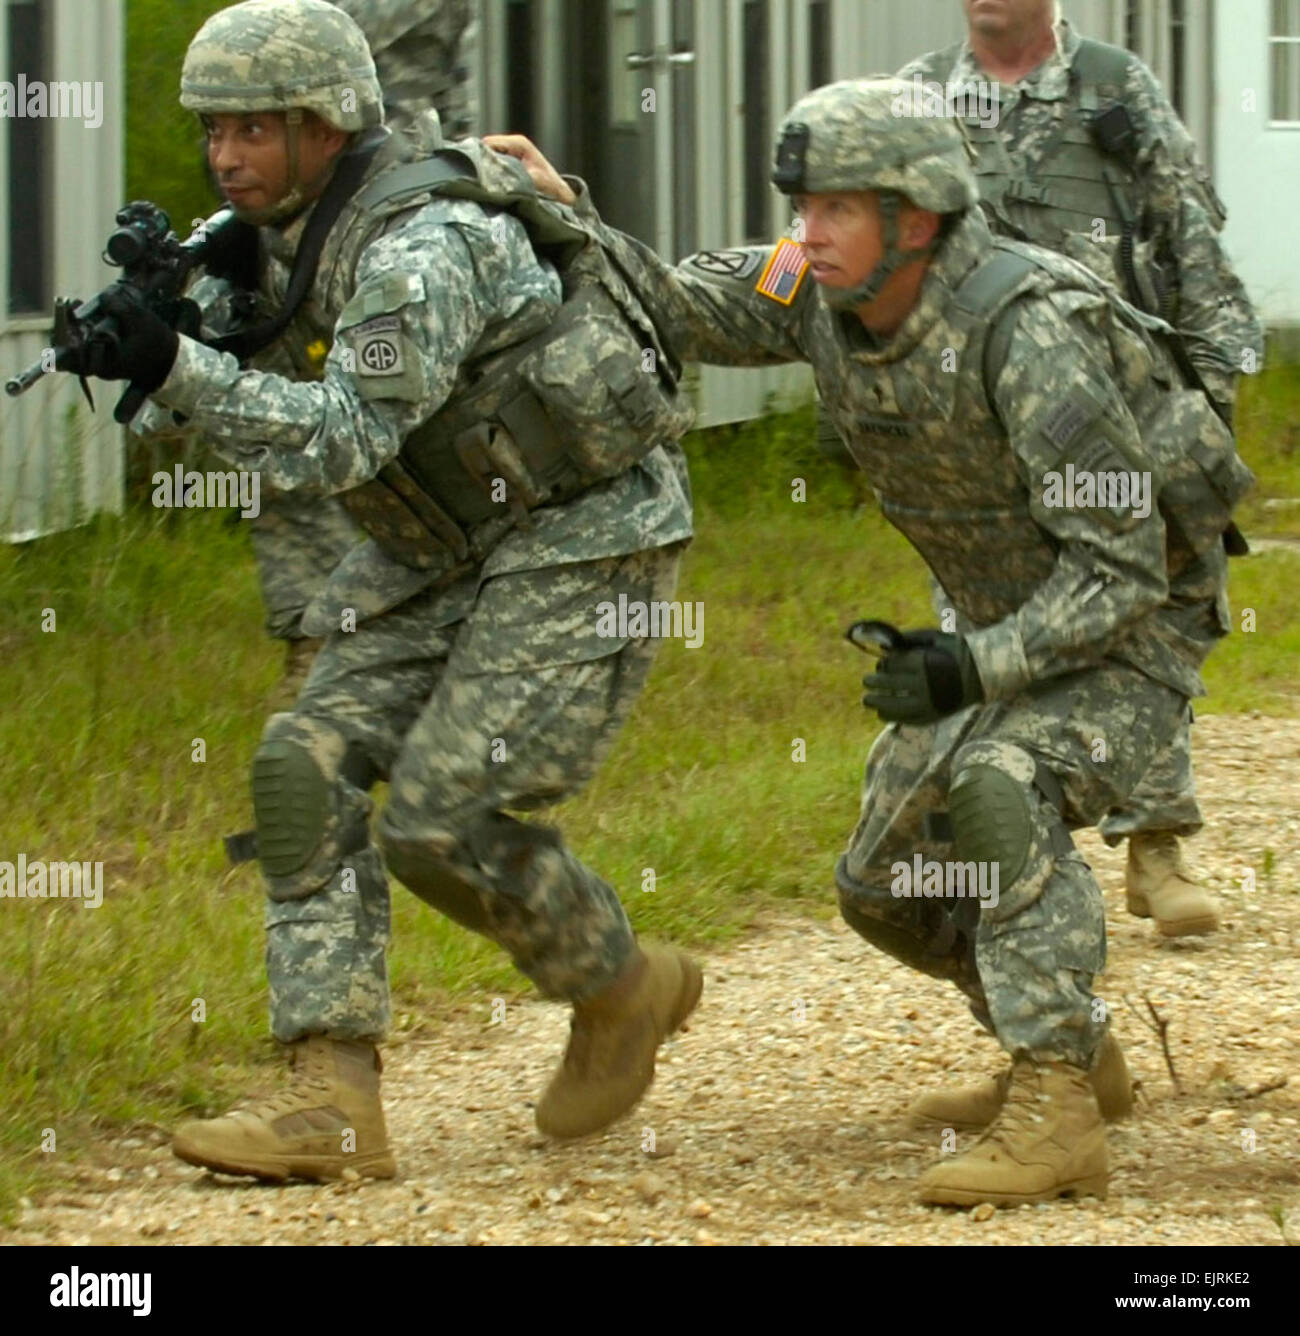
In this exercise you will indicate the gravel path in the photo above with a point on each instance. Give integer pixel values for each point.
(777, 1117)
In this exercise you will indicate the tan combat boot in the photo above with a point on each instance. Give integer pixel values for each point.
(1048, 1141)
(966, 1107)
(610, 1060)
(1158, 886)
(299, 655)
(301, 1132)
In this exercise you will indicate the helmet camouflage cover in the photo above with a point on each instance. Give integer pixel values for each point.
(866, 134)
(277, 55)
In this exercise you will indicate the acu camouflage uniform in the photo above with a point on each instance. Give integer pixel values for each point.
(475, 682)
(1087, 639)
(423, 51)
(1043, 179)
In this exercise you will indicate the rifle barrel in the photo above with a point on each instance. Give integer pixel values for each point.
(20, 384)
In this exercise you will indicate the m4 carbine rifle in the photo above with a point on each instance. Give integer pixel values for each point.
(157, 266)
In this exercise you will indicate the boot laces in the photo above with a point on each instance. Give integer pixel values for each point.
(1020, 1110)
(307, 1079)
(1162, 848)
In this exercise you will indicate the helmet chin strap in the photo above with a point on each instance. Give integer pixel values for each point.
(297, 196)
(891, 261)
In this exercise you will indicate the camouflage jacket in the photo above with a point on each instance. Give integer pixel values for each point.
(1041, 131)
(468, 284)
(960, 467)
(424, 53)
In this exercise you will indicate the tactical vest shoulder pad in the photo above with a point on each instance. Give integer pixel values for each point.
(470, 170)
(988, 292)
(985, 294)
(1104, 67)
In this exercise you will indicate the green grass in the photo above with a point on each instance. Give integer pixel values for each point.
(158, 642)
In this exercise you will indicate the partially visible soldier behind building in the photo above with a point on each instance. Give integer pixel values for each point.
(467, 662)
(966, 374)
(1088, 157)
(424, 52)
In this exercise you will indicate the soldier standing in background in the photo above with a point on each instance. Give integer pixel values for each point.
(1088, 157)
(424, 52)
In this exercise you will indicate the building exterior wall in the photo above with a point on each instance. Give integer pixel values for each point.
(59, 463)
(1222, 49)
(1258, 164)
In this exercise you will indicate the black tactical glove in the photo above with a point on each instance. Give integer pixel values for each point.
(141, 349)
(923, 675)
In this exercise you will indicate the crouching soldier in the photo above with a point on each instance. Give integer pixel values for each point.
(1024, 428)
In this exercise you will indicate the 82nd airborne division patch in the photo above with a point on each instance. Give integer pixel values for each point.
(379, 349)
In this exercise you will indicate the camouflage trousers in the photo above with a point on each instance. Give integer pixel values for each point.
(297, 542)
(1165, 800)
(1075, 747)
(510, 706)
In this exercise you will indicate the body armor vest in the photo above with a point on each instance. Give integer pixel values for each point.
(956, 494)
(571, 402)
(1057, 197)
(1065, 188)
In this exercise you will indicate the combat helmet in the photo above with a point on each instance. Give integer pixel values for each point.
(292, 56)
(867, 134)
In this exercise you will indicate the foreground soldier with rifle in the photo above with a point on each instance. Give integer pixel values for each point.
(422, 50)
(472, 388)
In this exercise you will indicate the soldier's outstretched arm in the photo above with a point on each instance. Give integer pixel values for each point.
(726, 307)
(425, 294)
(1058, 398)
(715, 306)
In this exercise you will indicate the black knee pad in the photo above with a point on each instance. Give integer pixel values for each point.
(992, 821)
(1005, 810)
(920, 933)
(307, 819)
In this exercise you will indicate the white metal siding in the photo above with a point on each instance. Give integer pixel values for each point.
(1259, 164)
(59, 463)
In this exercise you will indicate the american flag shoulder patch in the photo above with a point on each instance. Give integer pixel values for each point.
(782, 276)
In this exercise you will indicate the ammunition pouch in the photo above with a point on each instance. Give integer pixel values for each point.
(534, 425)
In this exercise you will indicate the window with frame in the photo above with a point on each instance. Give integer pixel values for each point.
(1284, 62)
(29, 142)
